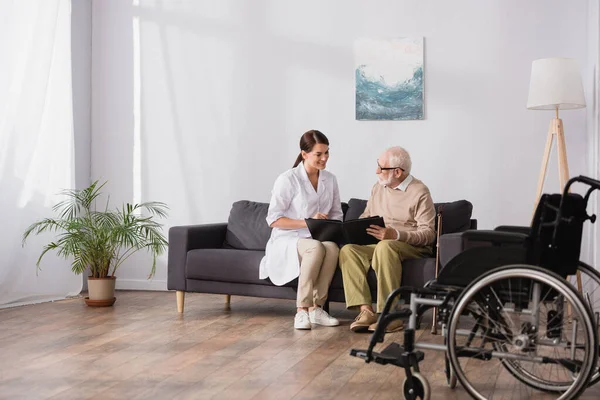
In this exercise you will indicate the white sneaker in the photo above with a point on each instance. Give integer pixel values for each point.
(301, 320)
(319, 316)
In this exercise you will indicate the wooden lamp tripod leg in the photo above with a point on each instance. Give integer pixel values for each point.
(563, 171)
(563, 166)
(545, 159)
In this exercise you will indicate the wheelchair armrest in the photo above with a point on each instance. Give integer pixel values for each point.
(511, 228)
(452, 244)
(495, 236)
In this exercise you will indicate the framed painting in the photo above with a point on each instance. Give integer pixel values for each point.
(389, 79)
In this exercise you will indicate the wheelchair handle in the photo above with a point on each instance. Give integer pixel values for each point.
(595, 184)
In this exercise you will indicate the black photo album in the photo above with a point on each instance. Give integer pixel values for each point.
(353, 231)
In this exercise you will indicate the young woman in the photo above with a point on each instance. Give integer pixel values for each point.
(305, 191)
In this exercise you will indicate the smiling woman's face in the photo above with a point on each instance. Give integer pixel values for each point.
(317, 157)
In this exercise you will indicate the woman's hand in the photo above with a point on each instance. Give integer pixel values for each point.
(320, 216)
(288, 223)
(381, 233)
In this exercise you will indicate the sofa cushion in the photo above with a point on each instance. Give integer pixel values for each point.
(344, 208)
(247, 227)
(355, 208)
(456, 215)
(228, 265)
(225, 265)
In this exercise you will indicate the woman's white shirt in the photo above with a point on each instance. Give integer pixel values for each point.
(294, 197)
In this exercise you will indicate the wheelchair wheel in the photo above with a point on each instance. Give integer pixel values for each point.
(511, 323)
(590, 290)
(420, 388)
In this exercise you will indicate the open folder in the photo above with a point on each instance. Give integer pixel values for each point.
(353, 231)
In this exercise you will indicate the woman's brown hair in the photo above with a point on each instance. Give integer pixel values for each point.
(308, 141)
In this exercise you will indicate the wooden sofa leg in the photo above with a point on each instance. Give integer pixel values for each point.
(180, 300)
(227, 302)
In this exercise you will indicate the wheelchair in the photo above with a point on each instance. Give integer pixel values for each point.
(519, 313)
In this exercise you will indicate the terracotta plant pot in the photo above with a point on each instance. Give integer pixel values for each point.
(101, 291)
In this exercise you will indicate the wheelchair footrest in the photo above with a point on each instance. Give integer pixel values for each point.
(392, 351)
(359, 353)
(392, 354)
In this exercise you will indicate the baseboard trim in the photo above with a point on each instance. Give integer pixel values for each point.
(140, 284)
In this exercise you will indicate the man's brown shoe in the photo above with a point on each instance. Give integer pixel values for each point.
(394, 326)
(365, 319)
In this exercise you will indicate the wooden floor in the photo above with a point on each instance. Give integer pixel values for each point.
(142, 348)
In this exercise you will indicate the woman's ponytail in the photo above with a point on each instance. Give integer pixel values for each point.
(298, 160)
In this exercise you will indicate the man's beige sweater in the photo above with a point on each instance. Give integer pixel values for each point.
(411, 212)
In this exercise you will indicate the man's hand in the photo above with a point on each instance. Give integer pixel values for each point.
(381, 233)
(320, 216)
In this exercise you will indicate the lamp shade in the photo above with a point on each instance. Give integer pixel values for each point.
(555, 84)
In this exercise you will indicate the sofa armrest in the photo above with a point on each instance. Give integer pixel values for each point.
(452, 244)
(185, 238)
(510, 228)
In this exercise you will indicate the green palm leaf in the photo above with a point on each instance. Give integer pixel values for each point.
(101, 240)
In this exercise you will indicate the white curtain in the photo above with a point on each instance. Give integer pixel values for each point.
(36, 144)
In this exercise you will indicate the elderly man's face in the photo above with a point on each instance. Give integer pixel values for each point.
(388, 175)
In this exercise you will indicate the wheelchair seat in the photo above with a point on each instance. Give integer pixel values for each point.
(472, 263)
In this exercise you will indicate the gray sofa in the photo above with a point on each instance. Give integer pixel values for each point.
(224, 258)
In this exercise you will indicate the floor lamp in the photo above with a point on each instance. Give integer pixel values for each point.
(555, 85)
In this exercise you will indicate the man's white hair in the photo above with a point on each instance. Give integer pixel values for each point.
(399, 157)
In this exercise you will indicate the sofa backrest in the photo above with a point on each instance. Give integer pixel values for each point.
(456, 215)
(247, 227)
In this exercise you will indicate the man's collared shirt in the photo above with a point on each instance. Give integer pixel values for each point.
(404, 184)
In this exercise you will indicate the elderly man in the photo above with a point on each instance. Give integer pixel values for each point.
(407, 209)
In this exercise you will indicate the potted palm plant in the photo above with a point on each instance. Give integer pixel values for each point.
(101, 240)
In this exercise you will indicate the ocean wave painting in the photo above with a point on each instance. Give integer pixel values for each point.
(389, 79)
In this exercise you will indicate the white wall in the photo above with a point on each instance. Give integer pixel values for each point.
(81, 63)
(221, 92)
